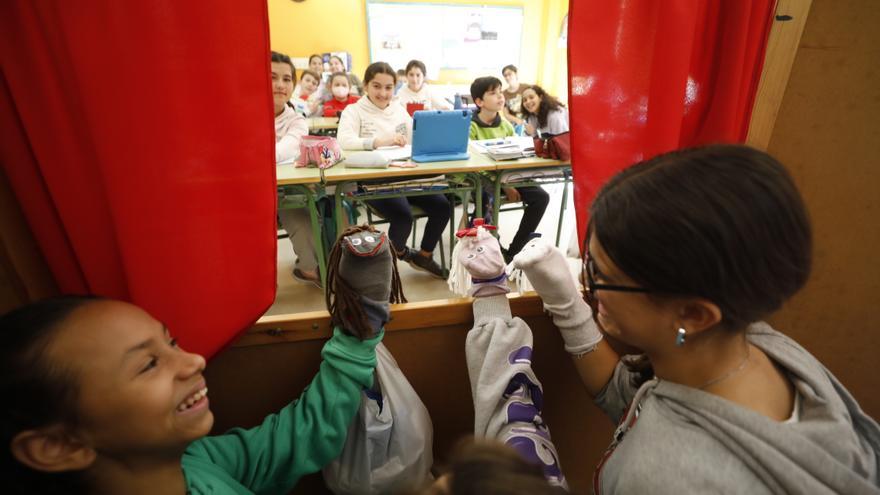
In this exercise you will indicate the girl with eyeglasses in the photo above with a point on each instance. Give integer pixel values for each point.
(685, 255)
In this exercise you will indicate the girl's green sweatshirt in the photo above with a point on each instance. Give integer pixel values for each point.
(300, 439)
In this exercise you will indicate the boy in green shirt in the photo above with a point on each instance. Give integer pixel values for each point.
(487, 123)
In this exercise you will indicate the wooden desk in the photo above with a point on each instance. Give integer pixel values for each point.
(533, 164)
(477, 162)
(291, 174)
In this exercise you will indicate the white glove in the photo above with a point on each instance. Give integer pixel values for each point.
(548, 272)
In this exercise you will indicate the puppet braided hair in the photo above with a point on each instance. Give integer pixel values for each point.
(342, 300)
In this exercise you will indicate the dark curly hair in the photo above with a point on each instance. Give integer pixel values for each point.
(548, 104)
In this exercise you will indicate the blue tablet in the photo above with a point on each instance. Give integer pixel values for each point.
(440, 135)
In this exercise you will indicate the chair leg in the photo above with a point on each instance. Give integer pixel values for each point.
(414, 227)
(442, 255)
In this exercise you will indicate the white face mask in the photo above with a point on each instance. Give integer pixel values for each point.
(340, 91)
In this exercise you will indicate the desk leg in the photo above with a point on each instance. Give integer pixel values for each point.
(339, 212)
(562, 209)
(318, 236)
(496, 205)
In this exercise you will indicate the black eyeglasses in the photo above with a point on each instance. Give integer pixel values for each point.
(589, 271)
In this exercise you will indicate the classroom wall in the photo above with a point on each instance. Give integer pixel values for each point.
(828, 135)
(318, 26)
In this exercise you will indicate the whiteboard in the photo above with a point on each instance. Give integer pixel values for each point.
(470, 37)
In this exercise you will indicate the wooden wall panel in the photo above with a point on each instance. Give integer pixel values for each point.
(252, 381)
(828, 135)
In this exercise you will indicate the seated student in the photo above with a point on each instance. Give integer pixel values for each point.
(308, 102)
(685, 254)
(339, 89)
(316, 65)
(100, 399)
(418, 91)
(337, 65)
(401, 80)
(290, 127)
(544, 114)
(375, 121)
(513, 95)
(487, 123)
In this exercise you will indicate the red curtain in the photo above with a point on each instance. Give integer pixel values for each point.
(647, 76)
(138, 139)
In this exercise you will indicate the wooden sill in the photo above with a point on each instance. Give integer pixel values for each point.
(314, 325)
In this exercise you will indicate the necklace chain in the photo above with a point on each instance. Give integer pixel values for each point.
(730, 373)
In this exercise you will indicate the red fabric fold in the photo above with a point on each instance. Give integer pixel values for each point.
(138, 138)
(647, 77)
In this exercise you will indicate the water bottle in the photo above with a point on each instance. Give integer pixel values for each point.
(457, 102)
(519, 129)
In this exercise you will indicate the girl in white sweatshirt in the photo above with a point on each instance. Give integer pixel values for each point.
(417, 90)
(373, 122)
(290, 127)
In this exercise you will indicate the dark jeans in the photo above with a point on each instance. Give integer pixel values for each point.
(398, 212)
(535, 199)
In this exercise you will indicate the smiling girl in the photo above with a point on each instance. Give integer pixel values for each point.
(543, 114)
(686, 254)
(290, 127)
(374, 122)
(100, 399)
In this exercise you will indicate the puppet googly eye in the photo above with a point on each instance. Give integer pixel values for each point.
(480, 249)
(369, 238)
(355, 242)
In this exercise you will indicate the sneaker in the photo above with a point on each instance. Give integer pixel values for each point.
(424, 264)
(301, 277)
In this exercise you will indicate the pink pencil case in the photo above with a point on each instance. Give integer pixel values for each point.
(319, 151)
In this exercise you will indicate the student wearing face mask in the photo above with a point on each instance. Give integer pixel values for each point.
(339, 89)
(337, 65)
(416, 90)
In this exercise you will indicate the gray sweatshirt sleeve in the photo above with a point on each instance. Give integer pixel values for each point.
(618, 392)
(508, 397)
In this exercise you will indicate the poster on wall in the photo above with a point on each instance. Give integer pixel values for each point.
(468, 37)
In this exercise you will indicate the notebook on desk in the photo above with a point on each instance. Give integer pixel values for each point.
(440, 135)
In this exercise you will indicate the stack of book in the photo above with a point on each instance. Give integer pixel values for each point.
(509, 148)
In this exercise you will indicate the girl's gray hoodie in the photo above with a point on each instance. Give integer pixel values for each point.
(677, 439)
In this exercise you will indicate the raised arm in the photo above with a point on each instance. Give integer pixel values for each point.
(305, 435)
(548, 272)
(507, 395)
